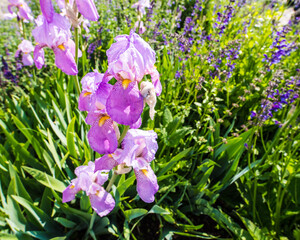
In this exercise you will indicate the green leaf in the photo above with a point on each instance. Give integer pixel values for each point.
(173, 161)
(45, 179)
(19, 187)
(46, 201)
(176, 136)
(6, 236)
(65, 222)
(122, 188)
(233, 146)
(70, 139)
(158, 210)
(58, 133)
(40, 217)
(294, 188)
(134, 213)
(20, 149)
(167, 116)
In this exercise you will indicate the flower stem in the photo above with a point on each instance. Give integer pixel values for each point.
(77, 85)
(23, 29)
(91, 225)
(111, 182)
(126, 128)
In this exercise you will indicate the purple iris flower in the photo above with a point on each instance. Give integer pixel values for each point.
(91, 182)
(53, 31)
(25, 47)
(139, 148)
(104, 133)
(129, 59)
(24, 10)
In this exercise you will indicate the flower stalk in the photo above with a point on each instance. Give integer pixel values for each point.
(77, 85)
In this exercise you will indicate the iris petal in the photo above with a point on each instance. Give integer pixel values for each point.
(103, 138)
(125, 106)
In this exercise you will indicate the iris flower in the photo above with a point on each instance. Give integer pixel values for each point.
(53, 31)
(141, 5)
(138, 150)
(91, 182)
(87, 8)
(25, 47)
(104, 133)
(24, 11)
(129, 59)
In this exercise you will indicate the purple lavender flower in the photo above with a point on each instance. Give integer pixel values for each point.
(279, 48)
(91, 182)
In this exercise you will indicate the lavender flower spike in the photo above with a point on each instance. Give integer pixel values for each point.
(25, 47)
(91, 182)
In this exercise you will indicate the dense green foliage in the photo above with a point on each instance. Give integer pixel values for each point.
(221, 174)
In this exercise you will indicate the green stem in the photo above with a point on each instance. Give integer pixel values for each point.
(23, 28)
(126, 128)
(91, 224)
(108, 188)
(111, 182)
(77, 85)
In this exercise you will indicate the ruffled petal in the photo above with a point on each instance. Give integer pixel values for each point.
(129, 66)
(88, 9)
(84, 101)
(72, 47)
(146, 184)
(125, 106)
(137, 124)
(148, 93)
(107, 162)
(27, 60)
(144, 48)
(155, 81)
(146, 140)
(102, 136)
(102, 202)
(70, 192)
(38, 55)
(26, 46)
(47, 9)
(101, 176)
(65, 61)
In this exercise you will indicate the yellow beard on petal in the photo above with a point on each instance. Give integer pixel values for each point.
(72, 187)
(144, 171)
(86, 94)
(102, 120)
(61, 47)
(125, 83)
